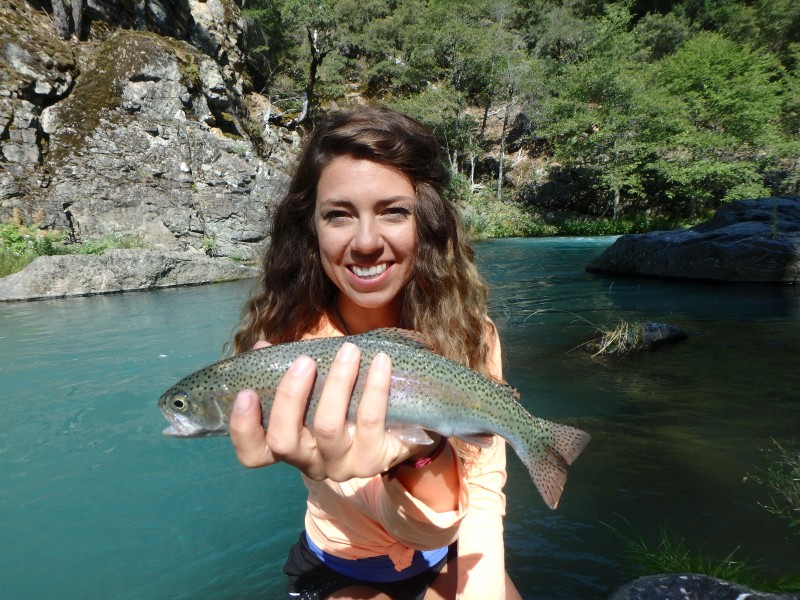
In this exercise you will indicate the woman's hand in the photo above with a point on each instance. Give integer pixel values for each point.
(332, 448)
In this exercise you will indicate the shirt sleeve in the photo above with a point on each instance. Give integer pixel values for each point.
(481, 549)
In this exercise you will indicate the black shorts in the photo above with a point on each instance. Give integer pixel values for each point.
(311, 579)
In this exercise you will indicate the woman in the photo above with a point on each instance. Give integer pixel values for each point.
(364, 239)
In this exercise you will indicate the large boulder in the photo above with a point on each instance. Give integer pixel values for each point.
(117, 271)
(745, 241)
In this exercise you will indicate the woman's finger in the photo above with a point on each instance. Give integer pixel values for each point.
(371, 435)
(330, 422)
(287, 436)
(247, 433)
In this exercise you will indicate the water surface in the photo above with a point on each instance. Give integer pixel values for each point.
(96, 503)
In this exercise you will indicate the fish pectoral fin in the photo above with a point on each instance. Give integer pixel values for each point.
(410, 434)
(481, 440)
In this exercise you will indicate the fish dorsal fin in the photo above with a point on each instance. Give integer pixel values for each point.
(512, 391)
(414, 339)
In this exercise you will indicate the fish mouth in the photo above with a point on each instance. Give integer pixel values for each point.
(369, 272)
(181, 426)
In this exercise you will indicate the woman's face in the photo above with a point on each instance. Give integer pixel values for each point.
(364, 220)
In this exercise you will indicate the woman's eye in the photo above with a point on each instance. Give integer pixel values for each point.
(398, 212)
(335, 215)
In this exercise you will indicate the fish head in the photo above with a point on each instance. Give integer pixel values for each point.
(191, 415)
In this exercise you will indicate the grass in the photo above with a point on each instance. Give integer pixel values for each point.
(616, 340)
(20, 245)
(669, 553)
(619, 340)
(782, 480)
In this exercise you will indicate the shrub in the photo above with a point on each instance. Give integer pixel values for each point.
(20, 244)
(485, 217)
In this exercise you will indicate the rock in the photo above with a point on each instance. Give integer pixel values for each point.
(36, 69)
(117, 271)
(745, 241)
(137, 132)
(690, 587)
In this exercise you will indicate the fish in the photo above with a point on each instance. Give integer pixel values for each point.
(428, 392)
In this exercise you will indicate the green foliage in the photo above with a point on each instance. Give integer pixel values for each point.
(663, 108)
(669, 554)
(782, 480)
(485, 217)
(641, 223)
(20, 245)
(112, 241)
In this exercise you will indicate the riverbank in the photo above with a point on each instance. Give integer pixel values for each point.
(117, 271)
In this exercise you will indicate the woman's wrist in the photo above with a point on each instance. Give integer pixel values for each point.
(425, 457)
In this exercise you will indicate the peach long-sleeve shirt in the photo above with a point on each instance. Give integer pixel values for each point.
(375, 516)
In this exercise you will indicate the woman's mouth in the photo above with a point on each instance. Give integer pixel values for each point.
(368, 272)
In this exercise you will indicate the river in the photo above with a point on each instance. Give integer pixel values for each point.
(96, 503)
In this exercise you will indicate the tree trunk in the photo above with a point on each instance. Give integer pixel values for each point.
(140, 15)
(471, 171)
(77, 18)
(501, 162)
(615, 206)
(60, 19)
(317, 56)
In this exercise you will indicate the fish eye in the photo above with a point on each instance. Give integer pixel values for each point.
(179, 402)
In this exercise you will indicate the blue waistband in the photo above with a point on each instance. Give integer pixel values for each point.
(378, 568)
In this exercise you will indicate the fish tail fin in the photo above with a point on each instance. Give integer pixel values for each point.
(549, 473)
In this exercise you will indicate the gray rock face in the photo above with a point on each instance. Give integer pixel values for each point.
(117, 271)
(136, 132)
(746, 241)
(690, 587)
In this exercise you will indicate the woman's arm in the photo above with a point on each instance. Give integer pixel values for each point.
(481, 548)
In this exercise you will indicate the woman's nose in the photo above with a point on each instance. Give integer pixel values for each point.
(368, 237)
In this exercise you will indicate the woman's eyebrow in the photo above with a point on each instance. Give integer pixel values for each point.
(342, 202)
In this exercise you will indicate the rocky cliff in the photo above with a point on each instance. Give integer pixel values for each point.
(151, 133)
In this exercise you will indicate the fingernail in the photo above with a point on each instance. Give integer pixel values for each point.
(382, 360)
(242, 402)
(301, 366)
(347, 353)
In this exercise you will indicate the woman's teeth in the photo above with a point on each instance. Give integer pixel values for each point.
(366, 272)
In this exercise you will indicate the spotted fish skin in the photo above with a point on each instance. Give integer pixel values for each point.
(428, 391)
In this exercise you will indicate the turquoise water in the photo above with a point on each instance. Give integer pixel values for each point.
(96, 503)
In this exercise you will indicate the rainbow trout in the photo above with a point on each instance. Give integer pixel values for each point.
(427, 392)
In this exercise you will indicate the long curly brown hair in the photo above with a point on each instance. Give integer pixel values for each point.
(445, 297)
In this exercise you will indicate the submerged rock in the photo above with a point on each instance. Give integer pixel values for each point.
(690, 587)
(117, 271)
(745, 241)
(635, 337)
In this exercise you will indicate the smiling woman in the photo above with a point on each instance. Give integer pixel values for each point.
(365, 226)
(364, 239)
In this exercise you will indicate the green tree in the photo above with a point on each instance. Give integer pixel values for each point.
(318, 20)
(732, 110)
(604, 118)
